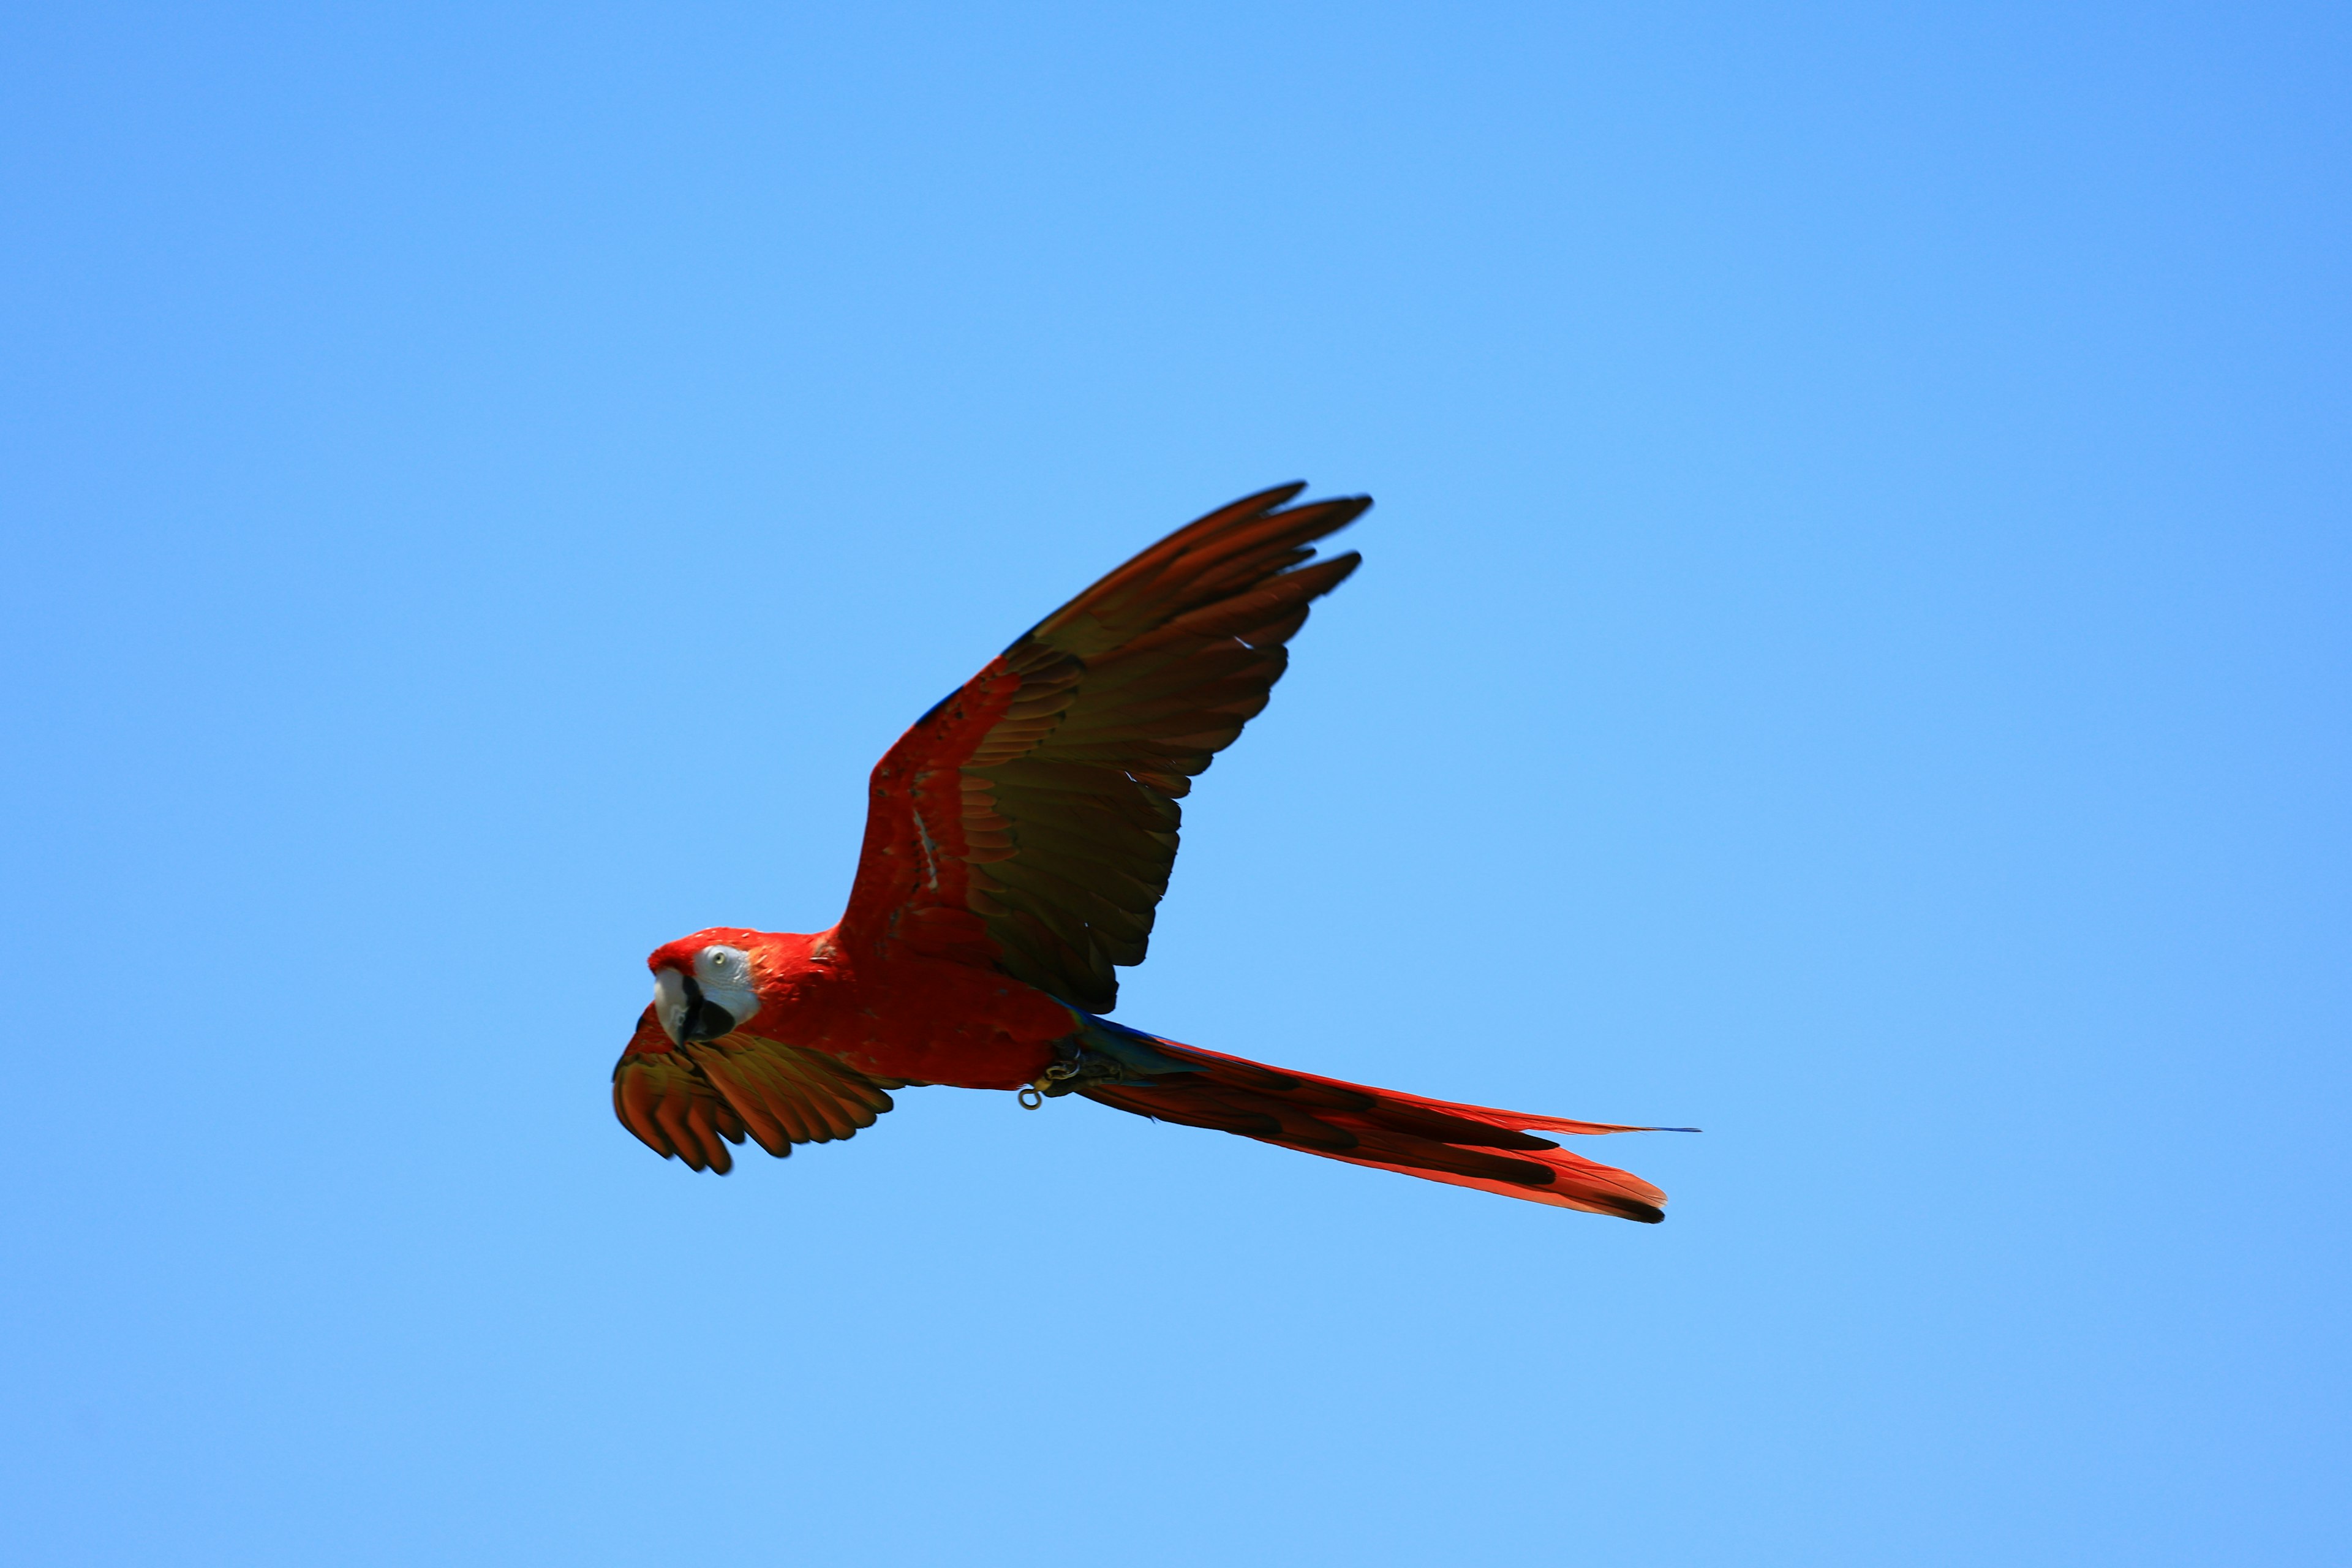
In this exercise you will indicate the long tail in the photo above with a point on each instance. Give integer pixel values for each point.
(1466, 1145)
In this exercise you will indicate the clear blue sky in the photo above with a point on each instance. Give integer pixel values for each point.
(1852, 654)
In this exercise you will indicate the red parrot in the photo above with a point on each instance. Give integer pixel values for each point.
(1018, 839)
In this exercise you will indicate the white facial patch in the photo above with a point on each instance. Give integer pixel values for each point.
(725, 975)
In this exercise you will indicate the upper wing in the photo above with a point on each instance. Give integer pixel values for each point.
(1029, 821)
(694, 1099)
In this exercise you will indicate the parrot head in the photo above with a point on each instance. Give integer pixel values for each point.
(705, 985)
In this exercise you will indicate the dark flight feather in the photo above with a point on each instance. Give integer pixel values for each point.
(1033, 816)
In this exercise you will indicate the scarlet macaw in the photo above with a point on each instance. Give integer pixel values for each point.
(1017, 840)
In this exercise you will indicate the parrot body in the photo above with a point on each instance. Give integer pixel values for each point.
(1018, 840)
(917, 1020)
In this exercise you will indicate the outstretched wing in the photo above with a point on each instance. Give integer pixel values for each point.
(694, 1099)
(1029, 821)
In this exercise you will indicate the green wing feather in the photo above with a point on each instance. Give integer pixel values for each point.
(1030, 820)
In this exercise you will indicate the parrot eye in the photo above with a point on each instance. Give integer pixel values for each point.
(728, 969)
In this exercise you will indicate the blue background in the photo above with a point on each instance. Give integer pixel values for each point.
(1852, 654)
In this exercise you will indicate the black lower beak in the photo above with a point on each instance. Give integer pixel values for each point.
(704, 1020)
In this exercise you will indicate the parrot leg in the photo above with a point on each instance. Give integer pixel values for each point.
(1099, 1054)
(1075, 1067)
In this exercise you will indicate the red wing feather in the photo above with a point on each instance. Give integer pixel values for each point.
(691, 1101)
(1030, 820)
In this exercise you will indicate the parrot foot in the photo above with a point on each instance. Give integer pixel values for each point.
(1073, 1069)
(1101, 1052)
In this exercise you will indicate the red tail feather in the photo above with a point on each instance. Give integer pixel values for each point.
(1466, 1145)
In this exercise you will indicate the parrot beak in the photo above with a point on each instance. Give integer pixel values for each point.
(686, 1014)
